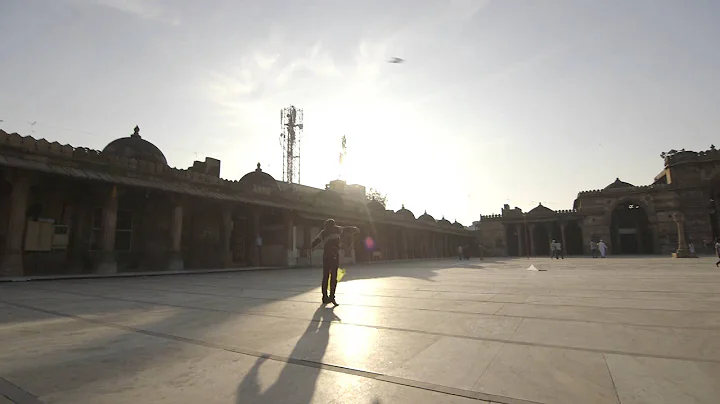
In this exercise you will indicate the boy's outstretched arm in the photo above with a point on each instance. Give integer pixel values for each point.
(317, 241)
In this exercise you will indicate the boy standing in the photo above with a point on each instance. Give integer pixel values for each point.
(330, 236)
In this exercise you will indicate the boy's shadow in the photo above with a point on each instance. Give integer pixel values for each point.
(295, 384)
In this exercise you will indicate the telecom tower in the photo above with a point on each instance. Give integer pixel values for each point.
(291, 122)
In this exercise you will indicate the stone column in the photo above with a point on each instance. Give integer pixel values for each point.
(108, 262)
(531, 231)
(562, 235)
(550, 238)
(307, 242)
(520, 230)
(12, 259)
(227, 228)
(291, 251)
(176, 260)
(682, 251)
(433, 245)
(256, 253)
(404, 244)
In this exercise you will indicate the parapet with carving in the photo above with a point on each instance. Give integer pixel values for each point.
(674, 157)
(80, 155)
(491, 217)
(620, 191)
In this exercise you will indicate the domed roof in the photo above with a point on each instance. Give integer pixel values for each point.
(619, 184)
(405, 214)
(444, 221)
(427, 217)
(135, 147)
(375, 206)
(258, 178)
(541, 210)
(458, 225)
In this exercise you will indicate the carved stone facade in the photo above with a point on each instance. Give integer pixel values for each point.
(68, 210)
(629, 219)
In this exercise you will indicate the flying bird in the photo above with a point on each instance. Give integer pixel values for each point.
(396, 60)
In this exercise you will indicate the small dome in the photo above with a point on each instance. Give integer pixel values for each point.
(375, 206)
(444, 221)
(258, 178)
(135, 147)
(619, 184)
(458, 225)
(405, 214)
(427, 217)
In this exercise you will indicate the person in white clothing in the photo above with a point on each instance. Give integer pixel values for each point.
(593, 249)
(603, 248)
(559, 250)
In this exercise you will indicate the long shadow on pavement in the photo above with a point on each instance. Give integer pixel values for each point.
(295, 384)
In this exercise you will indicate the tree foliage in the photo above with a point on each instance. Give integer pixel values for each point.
(375, 195)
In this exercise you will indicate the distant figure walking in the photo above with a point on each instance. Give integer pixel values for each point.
(559, 250)
(691, 247)
(603, 248)
(594, 249)
(717, 250)
(553, 249)
(460, 252)
(330, 236)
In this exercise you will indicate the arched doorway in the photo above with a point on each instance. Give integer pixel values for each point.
(630, 230)
(511, 237)
(573, 238)
(541, 239)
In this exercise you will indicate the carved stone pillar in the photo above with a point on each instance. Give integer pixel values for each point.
(562, 235)
(404, 244)
(12, 259)
(290, 248)
(520, 229)
(683, 251)
(176, 260)
(108, 262)
(256, 249)
(226, 239)
(531, 230)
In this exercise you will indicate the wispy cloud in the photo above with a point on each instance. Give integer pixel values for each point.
(154, 10)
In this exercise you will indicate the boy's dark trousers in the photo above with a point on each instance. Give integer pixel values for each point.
(331, 262)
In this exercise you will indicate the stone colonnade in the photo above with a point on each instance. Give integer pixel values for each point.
(534, 237)
(179, 226)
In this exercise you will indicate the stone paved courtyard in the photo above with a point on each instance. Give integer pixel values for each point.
(618, 330)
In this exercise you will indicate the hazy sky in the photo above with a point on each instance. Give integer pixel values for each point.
(499, 102)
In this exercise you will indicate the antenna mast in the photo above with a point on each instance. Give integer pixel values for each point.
(343, 153)
(291, 124)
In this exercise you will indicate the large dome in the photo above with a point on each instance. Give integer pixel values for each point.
(135, 147)
(260, 179)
